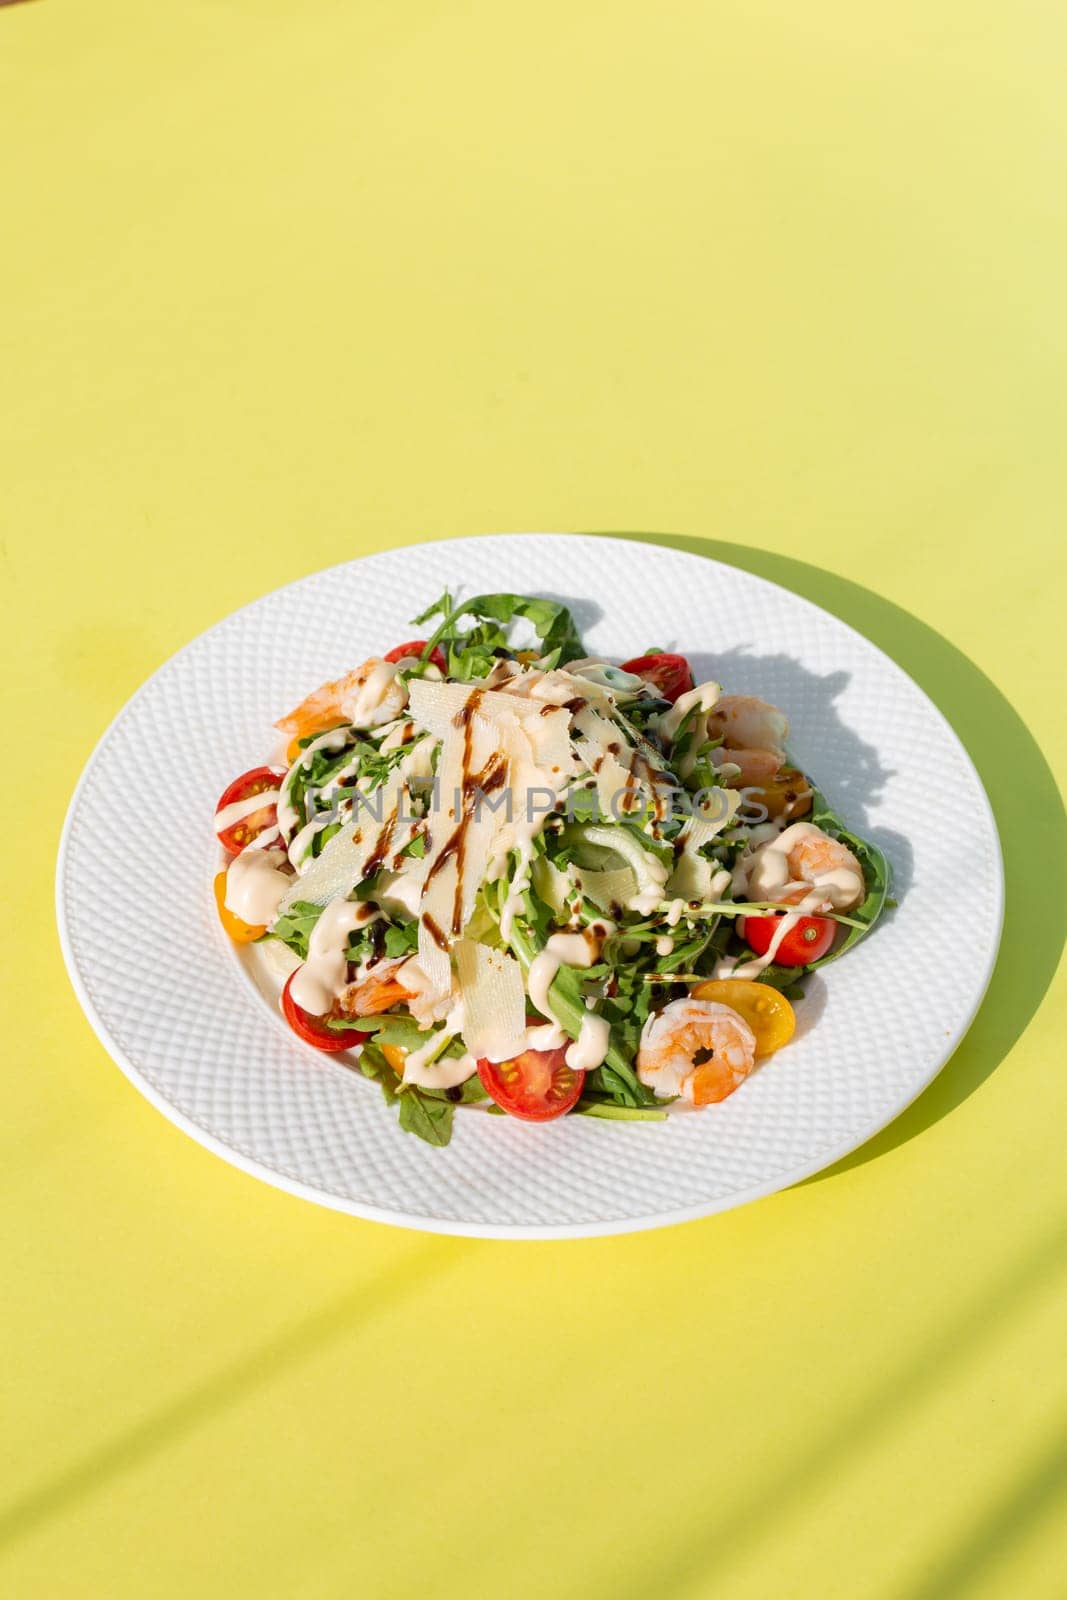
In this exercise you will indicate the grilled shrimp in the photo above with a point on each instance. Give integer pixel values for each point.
(802, 863)
(366, 696)
(379, 991)
(699, 1049)
(747, 723)
(757, 766)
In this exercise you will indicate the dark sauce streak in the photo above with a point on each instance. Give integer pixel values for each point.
(377, 856)
(493, 776)
(434, 931)
(399, 858)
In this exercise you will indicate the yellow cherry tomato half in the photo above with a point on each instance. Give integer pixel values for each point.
(787, 794)
(767, 1012)
(396, 1057)
(240, 932)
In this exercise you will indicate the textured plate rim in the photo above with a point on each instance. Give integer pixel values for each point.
(479, 1230)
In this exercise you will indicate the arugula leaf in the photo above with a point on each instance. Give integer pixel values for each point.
(425, 1116)
(489, 618)
(375, 765)
(373, 1064)
(294, 927)
(401, 938)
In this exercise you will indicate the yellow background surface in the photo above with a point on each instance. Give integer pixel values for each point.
(282, 284)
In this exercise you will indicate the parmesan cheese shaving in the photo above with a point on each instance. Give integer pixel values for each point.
(494, 1001)
(692, 875)
(378, 829)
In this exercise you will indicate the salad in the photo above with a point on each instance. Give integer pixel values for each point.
(504, 873)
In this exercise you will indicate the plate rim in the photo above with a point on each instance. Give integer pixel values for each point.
(241, 1159)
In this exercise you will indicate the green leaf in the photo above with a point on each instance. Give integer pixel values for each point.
(615, 1113)
(373, 1064)
(294, 926)
(401, 938)
(425, 1116)
(489, 619)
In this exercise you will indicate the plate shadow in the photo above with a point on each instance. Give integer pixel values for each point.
(1026, 802)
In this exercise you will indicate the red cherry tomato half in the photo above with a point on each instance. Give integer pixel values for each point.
(234, 837)
(807, 940)
(670, 674)
(313, 1030)
(534, 1086)
(415, 647)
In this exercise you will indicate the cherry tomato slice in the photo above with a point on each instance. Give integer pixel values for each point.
(670, 674)
(415, 647)
(767, 1012)
(234, 837)
(240, 932)
(807, 940)
(313, 1030)
(534, 1086)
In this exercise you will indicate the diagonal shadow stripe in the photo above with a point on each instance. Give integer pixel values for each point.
(1043, 1487)
(227, 1388)
(722, 1541)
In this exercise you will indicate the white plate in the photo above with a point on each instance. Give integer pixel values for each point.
(160, 984)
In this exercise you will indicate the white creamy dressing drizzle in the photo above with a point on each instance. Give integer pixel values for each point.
(255, 885)
(543, 969)
(379, 698)
(288, 816)
(301, 842)
(397, 735)
(720, 882)
(572, 950)
(545, 1036)
(237, 810)
(729, 967)
(664, 945)
(591, 1045)
(446, 1071)
(700, 699)
(564, 950)
(763, 873)
(317, 984)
